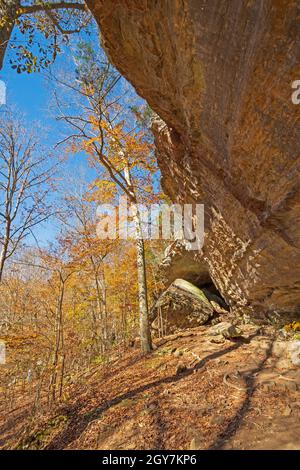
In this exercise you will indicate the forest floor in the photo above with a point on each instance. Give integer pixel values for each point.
(190, 393)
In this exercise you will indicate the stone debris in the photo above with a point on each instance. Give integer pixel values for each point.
(294, 352)
(226, 329)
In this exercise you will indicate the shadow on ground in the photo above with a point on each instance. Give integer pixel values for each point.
(78, 423)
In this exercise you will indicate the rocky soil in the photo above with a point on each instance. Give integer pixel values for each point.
(192, 392)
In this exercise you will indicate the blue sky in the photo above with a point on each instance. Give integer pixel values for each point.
(31, 95)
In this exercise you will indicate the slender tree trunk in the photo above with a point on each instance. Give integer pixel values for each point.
(4, 249)
(2, 260)
(104, 305)
(146, 344)
(62, 372)
(124, 322)
(8, 16)
(101, 303)
(58, 340)
(96, 343)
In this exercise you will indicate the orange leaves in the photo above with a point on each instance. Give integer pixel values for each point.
(88, 145)
(102, 191)
(118, 141)
(114, 148)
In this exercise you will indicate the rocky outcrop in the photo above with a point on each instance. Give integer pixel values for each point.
(219, 75)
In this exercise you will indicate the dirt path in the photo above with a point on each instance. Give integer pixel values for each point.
(237, 395)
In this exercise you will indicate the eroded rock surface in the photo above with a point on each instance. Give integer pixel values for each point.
(178, 262)
(219, 75)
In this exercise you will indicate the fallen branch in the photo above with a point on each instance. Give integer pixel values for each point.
(286, 378)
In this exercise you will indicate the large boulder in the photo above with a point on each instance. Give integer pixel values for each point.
(182, 305)
(219, 75)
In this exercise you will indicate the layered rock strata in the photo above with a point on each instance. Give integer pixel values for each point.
(219, 74)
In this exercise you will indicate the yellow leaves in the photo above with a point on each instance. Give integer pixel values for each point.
(15, 341)
(91, 141)
(102, 191)
(87, 145)
(98, 124)
(294, 326)
(89, 89)
(116, 146)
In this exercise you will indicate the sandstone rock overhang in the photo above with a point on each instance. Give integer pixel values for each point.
(219, 74)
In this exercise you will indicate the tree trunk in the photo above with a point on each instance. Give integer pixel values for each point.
(145, 334)
(101, 305)
(104, 306)
(146, 345)
(58, 340)
(8, 16)
(4, 249)
(2, 260)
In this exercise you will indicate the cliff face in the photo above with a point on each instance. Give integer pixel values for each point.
(219, 74)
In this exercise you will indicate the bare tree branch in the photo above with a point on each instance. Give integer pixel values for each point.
(24, 187)
(50, 6)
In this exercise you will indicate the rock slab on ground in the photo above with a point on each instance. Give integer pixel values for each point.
(182, 305)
